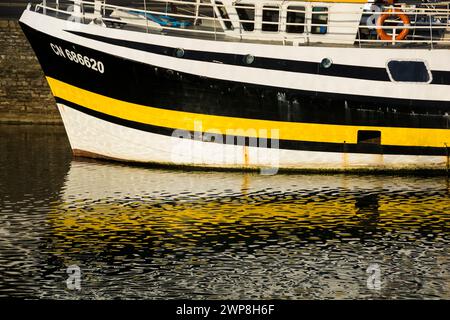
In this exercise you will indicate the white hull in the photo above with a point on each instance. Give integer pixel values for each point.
(95, 137)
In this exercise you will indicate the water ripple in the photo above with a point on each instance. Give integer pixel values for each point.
(151, 233)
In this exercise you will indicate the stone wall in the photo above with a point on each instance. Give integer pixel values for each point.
(24, 94)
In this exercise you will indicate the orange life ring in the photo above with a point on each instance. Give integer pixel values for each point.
(382, 18)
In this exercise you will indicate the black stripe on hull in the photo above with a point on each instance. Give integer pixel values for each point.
(336, 70)
(144, 84)
(345, 71)
(283, 144)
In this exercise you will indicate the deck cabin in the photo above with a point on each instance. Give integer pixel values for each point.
(297, 21)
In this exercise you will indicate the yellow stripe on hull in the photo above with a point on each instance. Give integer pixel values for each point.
(313, 132)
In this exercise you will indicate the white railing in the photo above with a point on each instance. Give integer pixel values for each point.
(430, 23)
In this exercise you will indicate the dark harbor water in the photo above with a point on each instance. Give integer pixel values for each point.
(148, 233)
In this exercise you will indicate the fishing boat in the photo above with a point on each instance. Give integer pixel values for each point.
(327, 84)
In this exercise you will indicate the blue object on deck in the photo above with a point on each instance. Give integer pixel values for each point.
(164, 21)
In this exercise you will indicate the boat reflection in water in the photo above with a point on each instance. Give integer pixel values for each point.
(149, 233)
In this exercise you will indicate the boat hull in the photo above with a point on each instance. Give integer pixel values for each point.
(92, 137)
(139, 103)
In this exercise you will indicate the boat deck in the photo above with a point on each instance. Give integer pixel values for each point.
(204, 24)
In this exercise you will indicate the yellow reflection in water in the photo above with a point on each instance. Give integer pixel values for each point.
(111, 204)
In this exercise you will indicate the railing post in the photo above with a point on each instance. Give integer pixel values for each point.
(57, 8)
(431, 32)
(77, 10)
(215, 18)
(98, 8)
(393, 34)
(359, 36)
(197, 11)
(145, 15)
(44, 10)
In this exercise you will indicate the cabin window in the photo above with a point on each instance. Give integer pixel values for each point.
(408, 71)
(270, 18)
(297, 18)
(224, 14)
(246, 12)
(319, 20)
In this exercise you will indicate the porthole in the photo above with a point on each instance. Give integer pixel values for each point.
(179, 52)
(326, 63)
(248, 59)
